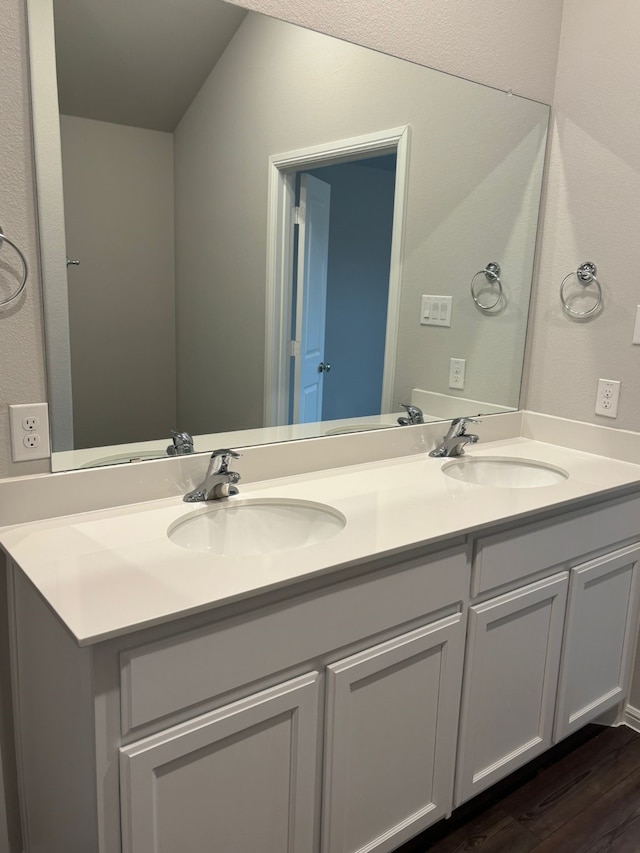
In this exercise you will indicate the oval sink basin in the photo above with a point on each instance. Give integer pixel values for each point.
(504, 473)
(256, 526)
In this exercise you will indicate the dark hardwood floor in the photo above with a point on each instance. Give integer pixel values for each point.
(583, 796)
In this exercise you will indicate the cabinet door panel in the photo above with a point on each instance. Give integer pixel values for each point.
(392, 714)
(511, 677)
(239, 779)
(598, 639)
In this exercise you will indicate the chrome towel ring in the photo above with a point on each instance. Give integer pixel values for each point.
(585, 274)
(25, 271)
(492, 274)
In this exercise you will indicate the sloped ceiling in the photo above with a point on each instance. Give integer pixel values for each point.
(138, 62)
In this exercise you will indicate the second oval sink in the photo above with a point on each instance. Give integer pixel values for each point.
(504, 473)
(260, 526)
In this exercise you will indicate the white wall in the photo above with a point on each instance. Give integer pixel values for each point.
(592, 214)
(118, 198)
(478, 205)
(510, 44)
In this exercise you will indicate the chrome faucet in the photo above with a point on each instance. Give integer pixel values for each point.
(182, 443)
(414, 415)
(456, 438)
(219, 482)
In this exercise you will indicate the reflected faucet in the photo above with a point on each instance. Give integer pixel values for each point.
(457, 437)
(414, 415)
(182, 443)
(219, 482)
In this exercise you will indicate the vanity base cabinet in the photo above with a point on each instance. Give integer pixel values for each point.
(208, 733)
(242, 778)
(390, 739)
(599, 639)
(511, 677)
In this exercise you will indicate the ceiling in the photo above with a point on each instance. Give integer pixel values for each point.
(138, 62)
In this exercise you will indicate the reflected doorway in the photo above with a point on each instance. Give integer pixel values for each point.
(351, 314)
(340, 291)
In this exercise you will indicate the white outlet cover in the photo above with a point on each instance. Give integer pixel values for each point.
(28, 444)
(607, 398)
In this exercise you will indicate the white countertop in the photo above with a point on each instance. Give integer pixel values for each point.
(110, 572)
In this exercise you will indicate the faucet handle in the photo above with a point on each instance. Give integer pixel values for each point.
(461, 423)
(225, 457)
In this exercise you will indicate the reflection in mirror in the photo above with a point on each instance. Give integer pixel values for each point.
(259, 212)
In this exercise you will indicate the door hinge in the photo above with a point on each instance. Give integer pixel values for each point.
(298, 215)
(294, 349)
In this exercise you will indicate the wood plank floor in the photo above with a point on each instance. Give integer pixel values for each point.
(583, 796)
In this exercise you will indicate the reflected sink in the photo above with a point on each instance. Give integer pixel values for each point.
(343, 430)
(504, 473)
(125, 458)
(258, 526)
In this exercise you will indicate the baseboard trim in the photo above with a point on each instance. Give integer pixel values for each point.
(631, 718)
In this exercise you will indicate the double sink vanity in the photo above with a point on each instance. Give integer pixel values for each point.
(328, 661)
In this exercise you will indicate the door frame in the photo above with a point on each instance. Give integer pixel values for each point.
(280, 236)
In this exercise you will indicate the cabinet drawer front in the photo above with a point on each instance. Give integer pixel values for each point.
(392, 714)
(165, 677)
(244, 775)
(599, 636)
(507, 557)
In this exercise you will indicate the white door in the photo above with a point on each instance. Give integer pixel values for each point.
(311, 302)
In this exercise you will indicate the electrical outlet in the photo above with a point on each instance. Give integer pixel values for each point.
(608, 397)
(457, 367)
(29, 423)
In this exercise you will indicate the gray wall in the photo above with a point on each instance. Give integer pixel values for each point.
(272, 80)
(592, 214)
(118, 197)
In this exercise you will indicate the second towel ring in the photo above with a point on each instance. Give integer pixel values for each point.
(492, 274)
(586, 273)
(25, 271)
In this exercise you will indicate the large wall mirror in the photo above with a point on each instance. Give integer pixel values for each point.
(253, 232)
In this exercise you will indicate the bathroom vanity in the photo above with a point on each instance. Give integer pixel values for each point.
(340, 696)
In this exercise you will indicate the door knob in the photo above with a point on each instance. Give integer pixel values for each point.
(324, 367)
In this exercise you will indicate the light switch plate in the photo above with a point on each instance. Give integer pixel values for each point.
(436, 310)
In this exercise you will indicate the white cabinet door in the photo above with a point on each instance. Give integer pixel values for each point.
(510, 682)
(241, 779)
(599, 637)
(392, 718)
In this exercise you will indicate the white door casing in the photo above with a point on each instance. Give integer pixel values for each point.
(280, 236)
